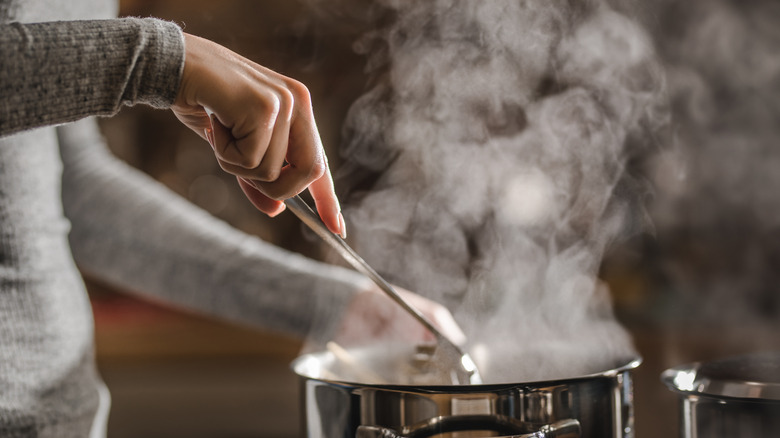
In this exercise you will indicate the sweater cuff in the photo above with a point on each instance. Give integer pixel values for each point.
(59, 72)
(156, 77)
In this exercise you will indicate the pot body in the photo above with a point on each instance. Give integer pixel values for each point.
(722, 417)
(732, 397)
(594, 406)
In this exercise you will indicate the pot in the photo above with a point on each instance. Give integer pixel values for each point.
(341, 398)
(732, 397)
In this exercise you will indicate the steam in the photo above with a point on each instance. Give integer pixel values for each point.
(488, 168)
(721, 212)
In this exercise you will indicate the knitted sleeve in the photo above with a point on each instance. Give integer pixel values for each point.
(57, 72)
(132, 232)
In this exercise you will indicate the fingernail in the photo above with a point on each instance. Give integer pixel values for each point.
(342, 226)
(278, 211)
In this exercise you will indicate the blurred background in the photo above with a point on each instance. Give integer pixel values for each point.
(700, 284)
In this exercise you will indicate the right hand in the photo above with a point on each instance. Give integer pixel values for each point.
(261, 120)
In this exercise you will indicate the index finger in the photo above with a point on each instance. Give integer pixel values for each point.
(307, 167)
(324, 195)
(294, 179)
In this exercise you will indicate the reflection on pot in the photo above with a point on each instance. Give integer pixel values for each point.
(593, 406)
(733, 397)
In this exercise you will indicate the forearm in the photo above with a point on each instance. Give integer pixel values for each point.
(136, 234)
(57, 72)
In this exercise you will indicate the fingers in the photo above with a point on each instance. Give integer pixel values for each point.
(324, 195)
(279, 128)
(308, 165)
(439, 315)
(255, 149)
(445, 322)
(304, 152)
(269, 206)
(257, 144)
(197, 120)
(260, 120)
(371, 316)
(243, 154)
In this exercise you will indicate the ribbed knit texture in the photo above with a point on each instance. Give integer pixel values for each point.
(47, 377)
(64, 200)
(64, 71)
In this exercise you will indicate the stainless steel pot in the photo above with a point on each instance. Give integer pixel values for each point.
(733, 397)
(335, 404)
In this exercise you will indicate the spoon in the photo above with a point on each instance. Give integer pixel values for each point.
(463, 370)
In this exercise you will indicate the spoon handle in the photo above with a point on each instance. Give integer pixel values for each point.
(465, 371)
(308, 216)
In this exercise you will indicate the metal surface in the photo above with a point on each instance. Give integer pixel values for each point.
(601, 404)
(754, 376)
(456, 363)
(506, 428)
(738, 396)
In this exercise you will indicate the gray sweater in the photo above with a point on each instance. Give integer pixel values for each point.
(65, 201)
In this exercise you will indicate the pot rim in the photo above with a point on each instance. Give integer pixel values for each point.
(697, 379)
(307, 361)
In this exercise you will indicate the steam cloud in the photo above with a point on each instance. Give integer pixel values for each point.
(720, 212)
(489, 170)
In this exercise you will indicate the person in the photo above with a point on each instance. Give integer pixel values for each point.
(67, 204)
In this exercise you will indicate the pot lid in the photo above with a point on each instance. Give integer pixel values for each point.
(751, 376)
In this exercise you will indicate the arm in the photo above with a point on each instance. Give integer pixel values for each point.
(132, 232)
(263, 129)
(57, 72)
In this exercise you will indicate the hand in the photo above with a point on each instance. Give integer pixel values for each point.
(260, 120)
(373, 316)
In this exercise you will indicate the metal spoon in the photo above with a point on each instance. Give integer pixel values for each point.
(463, 370)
